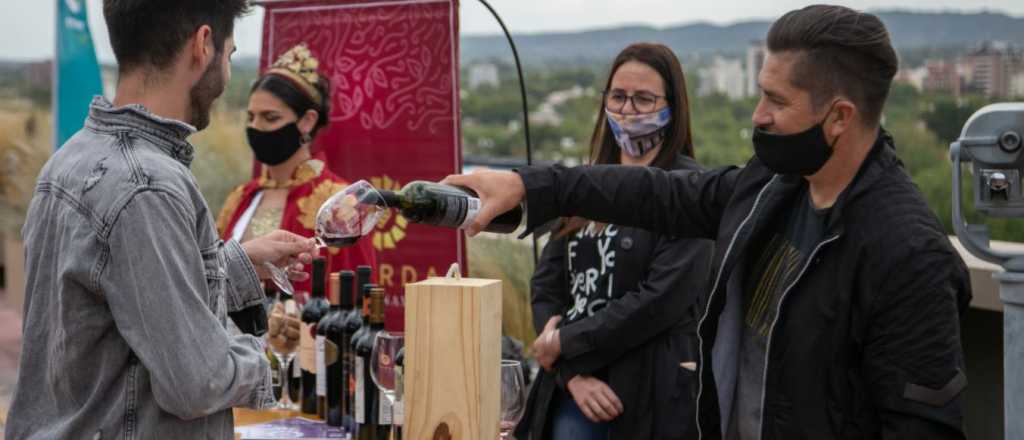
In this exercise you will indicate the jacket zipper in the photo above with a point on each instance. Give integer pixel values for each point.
(707, 308)
(771, 329)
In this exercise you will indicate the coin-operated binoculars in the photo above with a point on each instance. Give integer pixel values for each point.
(992, 143)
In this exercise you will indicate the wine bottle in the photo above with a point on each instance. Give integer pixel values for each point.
(368, 428)
(362, 311)
(333, 328)
(353, 324)
(312, 312)
(448, 206)
(324, 355)
(381, 412)
(399, 419)
(363, 275)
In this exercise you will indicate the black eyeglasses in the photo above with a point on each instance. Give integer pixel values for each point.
(643, 102)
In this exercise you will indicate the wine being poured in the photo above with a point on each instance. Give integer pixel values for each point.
(354, 211)
(347, 215)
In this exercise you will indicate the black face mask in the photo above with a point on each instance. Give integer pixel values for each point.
(275, 147)
(801, 153)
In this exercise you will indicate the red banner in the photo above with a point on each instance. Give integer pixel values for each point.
(393, 68)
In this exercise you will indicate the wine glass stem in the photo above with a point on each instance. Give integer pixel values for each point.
(394, 423)
(282, 371)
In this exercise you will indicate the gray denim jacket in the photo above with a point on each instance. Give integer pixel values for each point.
(128, 288)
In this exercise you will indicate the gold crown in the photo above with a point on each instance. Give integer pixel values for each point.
(299, 65)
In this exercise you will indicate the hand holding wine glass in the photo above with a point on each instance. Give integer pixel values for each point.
(347, 215)
(280, 248)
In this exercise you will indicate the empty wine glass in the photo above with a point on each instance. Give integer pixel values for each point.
(345, 216)
(284, 349)
(386, 346)
(513, 396)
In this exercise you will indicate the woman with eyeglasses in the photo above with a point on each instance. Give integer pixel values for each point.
(616, 308)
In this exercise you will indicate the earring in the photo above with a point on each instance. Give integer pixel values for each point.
(306, 138)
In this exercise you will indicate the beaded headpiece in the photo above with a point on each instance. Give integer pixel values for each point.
(299, 65)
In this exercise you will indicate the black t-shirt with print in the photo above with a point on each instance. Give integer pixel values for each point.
(776, 266)
(591, 252)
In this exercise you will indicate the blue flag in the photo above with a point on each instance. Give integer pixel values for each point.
(77, 73)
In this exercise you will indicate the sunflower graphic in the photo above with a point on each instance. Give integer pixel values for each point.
(391, 228)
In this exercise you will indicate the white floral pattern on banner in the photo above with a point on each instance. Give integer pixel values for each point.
(387, 66)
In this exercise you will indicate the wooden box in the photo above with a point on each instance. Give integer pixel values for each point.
(452, 359)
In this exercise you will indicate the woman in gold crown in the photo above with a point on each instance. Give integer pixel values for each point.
(288, 105)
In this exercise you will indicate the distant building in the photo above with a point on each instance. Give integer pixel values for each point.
(1017, 85)
(723, 76)
(989, 69)
(755, 61)
(912, 77)
(483, 74)
(547, 112)
(941, 76)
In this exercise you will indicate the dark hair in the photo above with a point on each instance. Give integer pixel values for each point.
(678, 139)
(151, 32)
(300, 102)
(841, 52)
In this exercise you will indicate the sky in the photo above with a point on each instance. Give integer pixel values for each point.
(26, 31)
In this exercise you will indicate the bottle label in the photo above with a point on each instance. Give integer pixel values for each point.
(321, 368)
(384, 415)
(307, 347)
(472, 209)
(360, 395)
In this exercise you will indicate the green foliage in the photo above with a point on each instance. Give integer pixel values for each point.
(946, 116)
(511, 261)
(223, 159)
(25, 145)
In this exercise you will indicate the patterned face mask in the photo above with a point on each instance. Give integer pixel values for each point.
(638, 134)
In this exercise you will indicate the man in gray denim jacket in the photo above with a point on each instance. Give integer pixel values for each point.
(128, 287)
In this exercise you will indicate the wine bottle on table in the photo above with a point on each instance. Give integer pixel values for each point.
(312, 312)
(381, 411)
(336, 350)
(369, 428)
(325, 354)
(353, 324)
(448, 206)
(364, 274)
(361, 311)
